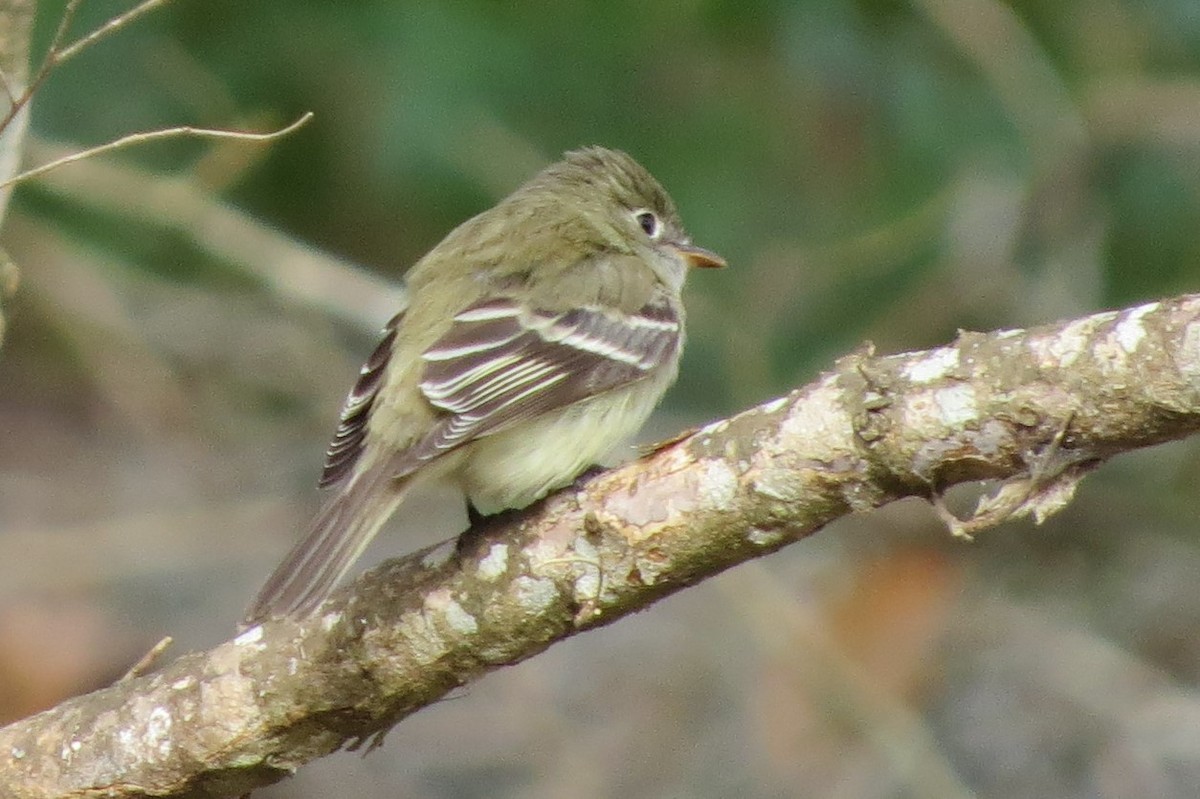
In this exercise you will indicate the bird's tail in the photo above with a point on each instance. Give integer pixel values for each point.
(342, 529)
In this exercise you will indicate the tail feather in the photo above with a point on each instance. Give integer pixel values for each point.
(338, 535)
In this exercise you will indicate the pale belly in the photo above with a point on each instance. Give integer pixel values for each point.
(514, 468)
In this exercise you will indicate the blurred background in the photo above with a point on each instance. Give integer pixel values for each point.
(191, 314)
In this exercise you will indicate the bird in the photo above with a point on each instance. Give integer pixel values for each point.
(537, 336)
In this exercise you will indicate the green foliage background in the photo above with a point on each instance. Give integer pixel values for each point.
(877, 171)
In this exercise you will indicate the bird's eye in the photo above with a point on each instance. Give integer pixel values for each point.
(648, 221)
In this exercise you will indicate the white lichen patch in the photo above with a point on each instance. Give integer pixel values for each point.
(590, 576)
(763, 538)
(534, 594)
(1187, 358)
(784, 485)
(934, 366)
(494, 564)
(424, 641)
(718, 484)
(1063, 348)
(948, 407)
(158, 732)
(455, 615)
(330, 620)
(1110, 355)
(712, 429)
(819, 425)
(249, 637)
(224, 686)
(956, 404)
(1130, 331)
(773, 406)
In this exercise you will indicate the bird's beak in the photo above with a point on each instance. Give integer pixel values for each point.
(698, 256)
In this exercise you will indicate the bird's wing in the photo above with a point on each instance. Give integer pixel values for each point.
(501, 363)
(348, 441)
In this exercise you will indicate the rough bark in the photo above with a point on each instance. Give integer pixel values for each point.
(1035, 409)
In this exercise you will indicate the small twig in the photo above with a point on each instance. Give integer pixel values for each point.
(156, 135)
(60, 33)
(112, 26)
(58, 54)
(147, 661)
(48, 64)
(43, 70)
(1047, 485)
(6, 87)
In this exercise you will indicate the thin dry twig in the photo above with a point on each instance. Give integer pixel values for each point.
(60, 33)
(47, 66)
(59, 54)
(6, 87)
(147, 661)
(112, 26)
(144, 137)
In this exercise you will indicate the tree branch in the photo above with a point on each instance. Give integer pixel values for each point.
(1035, 409)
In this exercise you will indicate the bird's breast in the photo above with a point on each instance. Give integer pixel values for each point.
(519, 466)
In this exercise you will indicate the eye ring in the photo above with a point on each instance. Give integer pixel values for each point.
(649, 223)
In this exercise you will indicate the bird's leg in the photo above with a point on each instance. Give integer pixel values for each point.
(482, 521)
(479, 525)
(479, 522)
(476, 517)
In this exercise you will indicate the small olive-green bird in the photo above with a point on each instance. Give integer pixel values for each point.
(538, 335)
